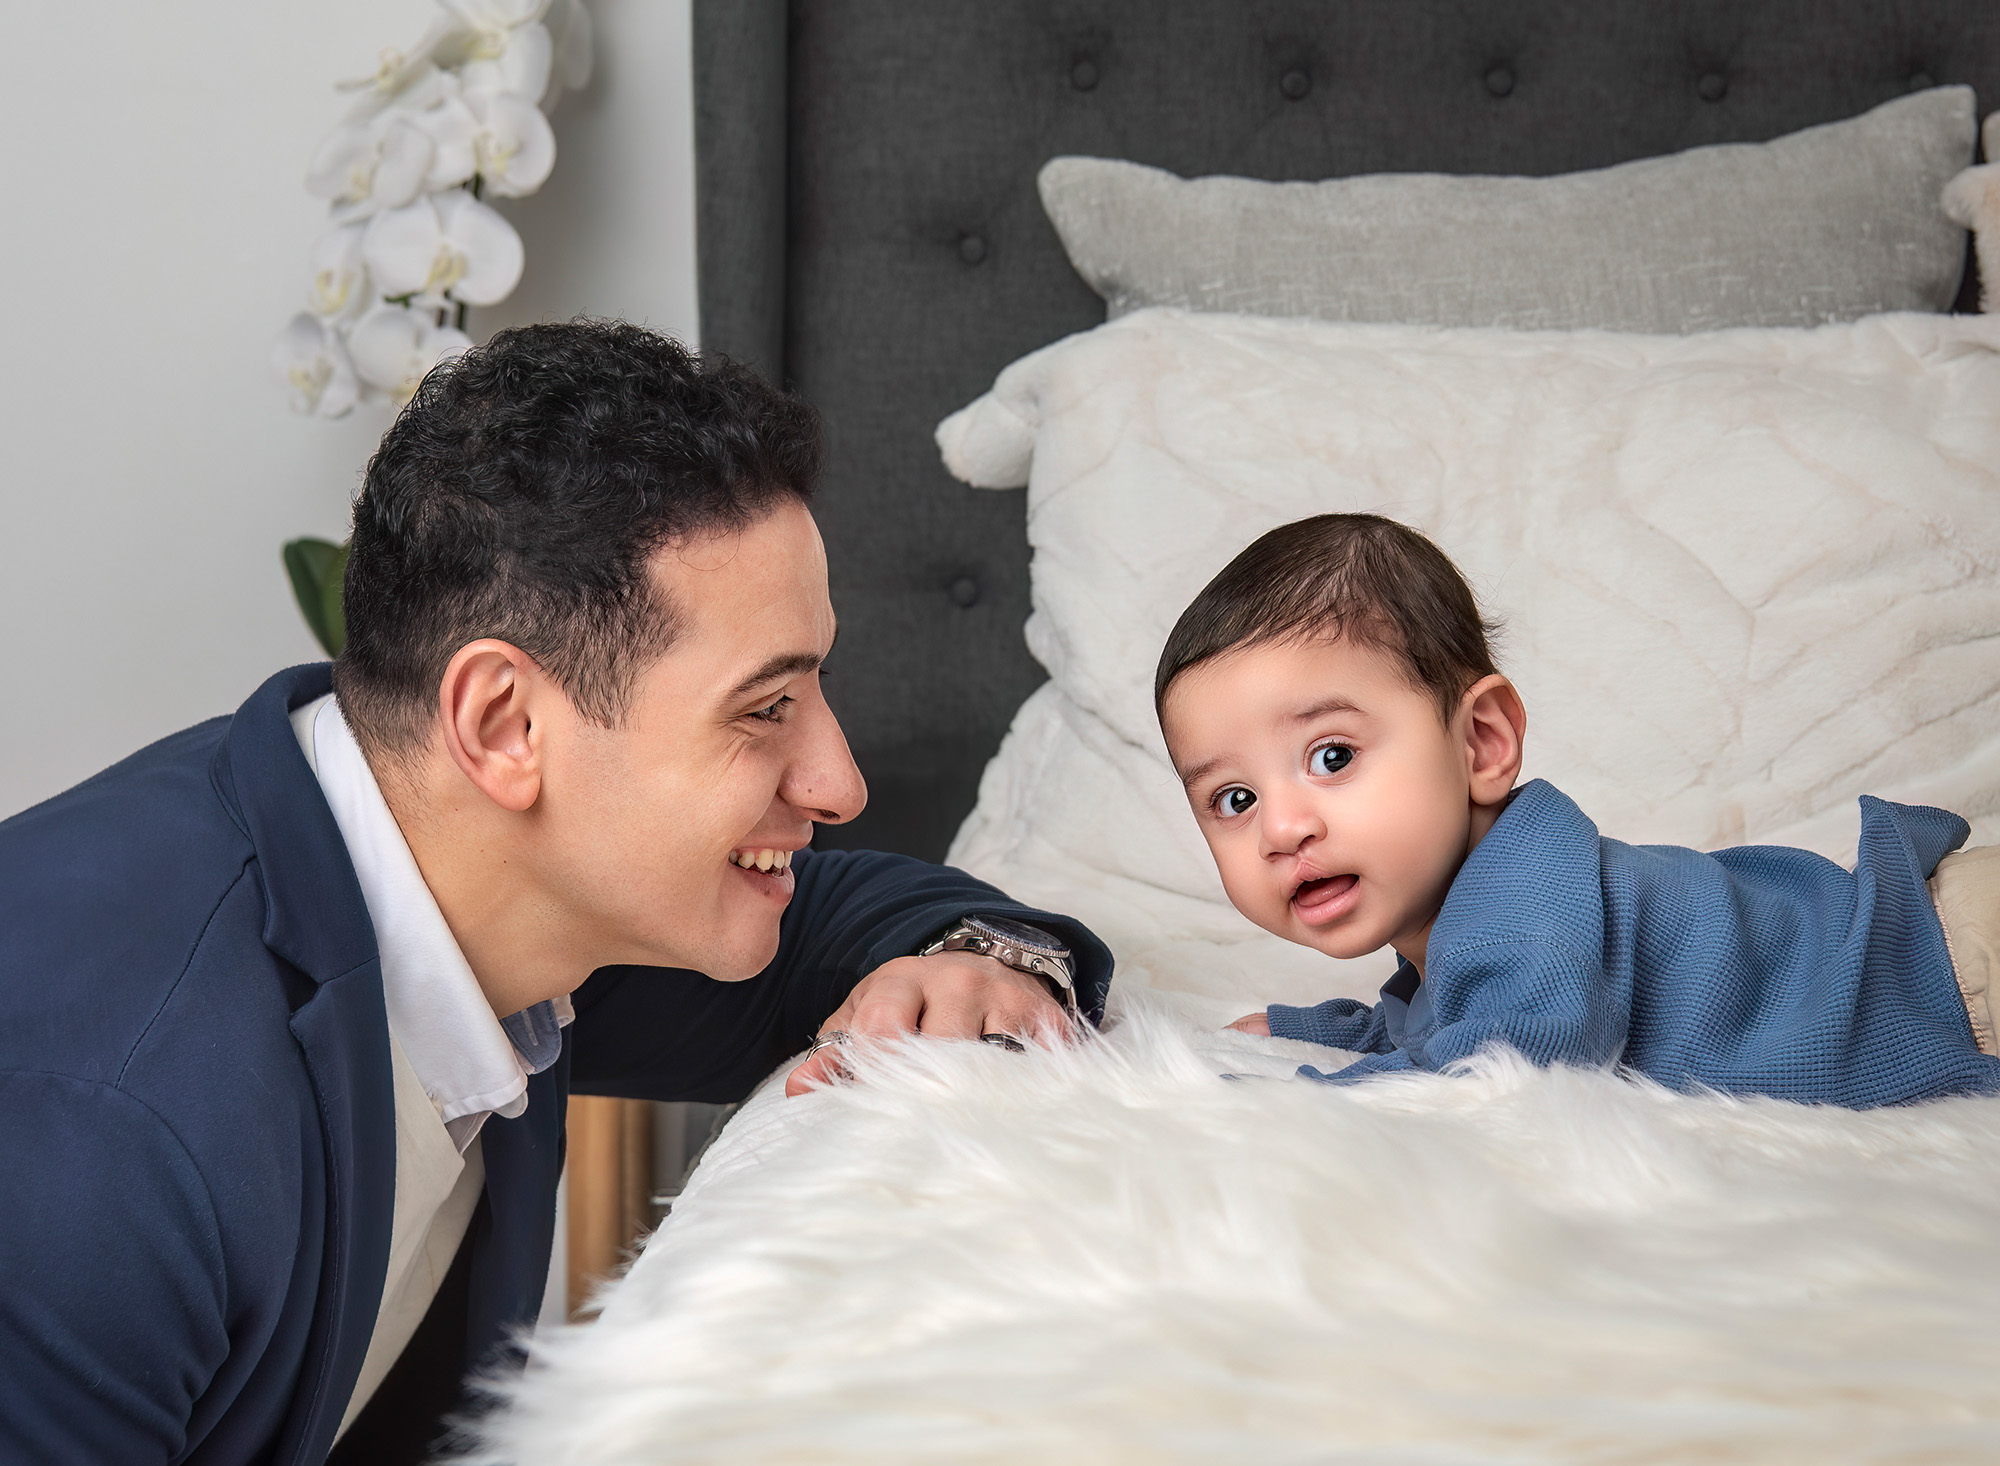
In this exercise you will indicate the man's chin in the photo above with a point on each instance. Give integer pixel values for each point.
(738, 941)
(739, 956)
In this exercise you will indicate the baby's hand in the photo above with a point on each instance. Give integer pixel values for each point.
(1257, 1023)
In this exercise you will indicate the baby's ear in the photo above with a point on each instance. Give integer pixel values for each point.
(1496, 728)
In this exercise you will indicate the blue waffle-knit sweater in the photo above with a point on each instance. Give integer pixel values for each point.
(1760, 970)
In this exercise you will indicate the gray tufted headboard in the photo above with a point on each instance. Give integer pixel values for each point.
(870, 233)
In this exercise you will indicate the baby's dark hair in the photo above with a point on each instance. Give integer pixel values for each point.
(1359, 576)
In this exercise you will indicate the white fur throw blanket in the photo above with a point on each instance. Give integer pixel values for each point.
(1116, 1255)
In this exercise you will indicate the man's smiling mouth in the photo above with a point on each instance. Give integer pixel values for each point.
(767, 868)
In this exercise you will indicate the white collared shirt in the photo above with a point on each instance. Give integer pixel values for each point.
(454, 1062)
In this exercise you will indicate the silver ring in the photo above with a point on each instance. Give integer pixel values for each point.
(836, 1039)
(1006, 1041)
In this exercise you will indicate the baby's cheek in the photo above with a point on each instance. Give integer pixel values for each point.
(1247, 884)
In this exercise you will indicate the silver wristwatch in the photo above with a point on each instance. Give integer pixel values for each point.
(1017, 945)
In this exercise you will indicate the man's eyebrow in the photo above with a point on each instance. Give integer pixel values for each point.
(784, 665)
(781, 667)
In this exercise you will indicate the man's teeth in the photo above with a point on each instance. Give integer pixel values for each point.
(763, 859)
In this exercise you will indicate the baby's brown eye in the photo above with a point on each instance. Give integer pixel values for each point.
(1235, 800)
(1331, 759)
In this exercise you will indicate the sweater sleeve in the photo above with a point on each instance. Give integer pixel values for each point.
(112, 1320)
(1339, 1023)
(1528, 994)
(1393, 1061)
(1536, 996)
(661, 1033)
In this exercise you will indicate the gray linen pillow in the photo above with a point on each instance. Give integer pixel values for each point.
(1828, 224)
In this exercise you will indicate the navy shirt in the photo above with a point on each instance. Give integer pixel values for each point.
(1761, 970)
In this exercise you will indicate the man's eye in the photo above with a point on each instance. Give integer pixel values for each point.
(1234, 800)
(774, 712)
(1331, 759)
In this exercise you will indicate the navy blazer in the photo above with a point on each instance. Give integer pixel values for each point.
(197, 1133)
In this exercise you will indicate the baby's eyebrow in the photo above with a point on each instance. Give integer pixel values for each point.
(1199, 772)
(1321, 709)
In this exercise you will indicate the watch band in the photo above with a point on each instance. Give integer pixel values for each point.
(1013, 945)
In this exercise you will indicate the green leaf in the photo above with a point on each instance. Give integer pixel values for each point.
(317, 569)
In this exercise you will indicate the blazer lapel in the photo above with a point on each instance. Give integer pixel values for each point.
(344, 1034)
(316, 920)
(510, 1258)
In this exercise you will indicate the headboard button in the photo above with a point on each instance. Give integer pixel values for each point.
(964, 592)
(1712, 87)
(1500, 81)
(1920, 81)
(1083, 75)
(1295, 83)
(971, 249)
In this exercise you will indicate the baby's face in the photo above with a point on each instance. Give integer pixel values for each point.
(1335, 800)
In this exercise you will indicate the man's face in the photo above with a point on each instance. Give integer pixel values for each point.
(728, 753)
(1334, 799)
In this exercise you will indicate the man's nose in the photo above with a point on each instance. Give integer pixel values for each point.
(824, 782)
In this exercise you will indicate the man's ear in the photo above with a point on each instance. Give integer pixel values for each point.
(489, 721)
(1496, 726)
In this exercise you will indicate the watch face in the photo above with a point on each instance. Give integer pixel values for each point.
(1019, 933)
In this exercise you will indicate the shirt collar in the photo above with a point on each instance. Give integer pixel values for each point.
(470, 1063)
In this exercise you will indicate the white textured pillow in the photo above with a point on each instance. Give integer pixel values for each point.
(1829, 224)
(1746, 575)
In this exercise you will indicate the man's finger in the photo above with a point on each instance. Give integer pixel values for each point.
(889, 1009)
(961, 1019)
(1050, 1025)
(822, 1068)
(1033, 1020)
(1022, 1005)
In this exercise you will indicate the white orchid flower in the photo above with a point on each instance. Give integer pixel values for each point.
(461, 111)
(339, 287)
(398, 73)
(371, 165)
(497, 15)
(313, 363)
(453, 129)
(449, 243)
(393, 347)
(575, 48)
(514, 145)
(519, 61)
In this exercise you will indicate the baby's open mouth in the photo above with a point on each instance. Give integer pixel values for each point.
(1321, 894)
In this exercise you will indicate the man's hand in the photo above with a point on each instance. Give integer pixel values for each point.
(1257, 1023)
(949, 995)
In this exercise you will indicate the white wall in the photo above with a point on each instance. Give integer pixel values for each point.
(155, 229)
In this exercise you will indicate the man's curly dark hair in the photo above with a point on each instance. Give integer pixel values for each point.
(521, 495)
